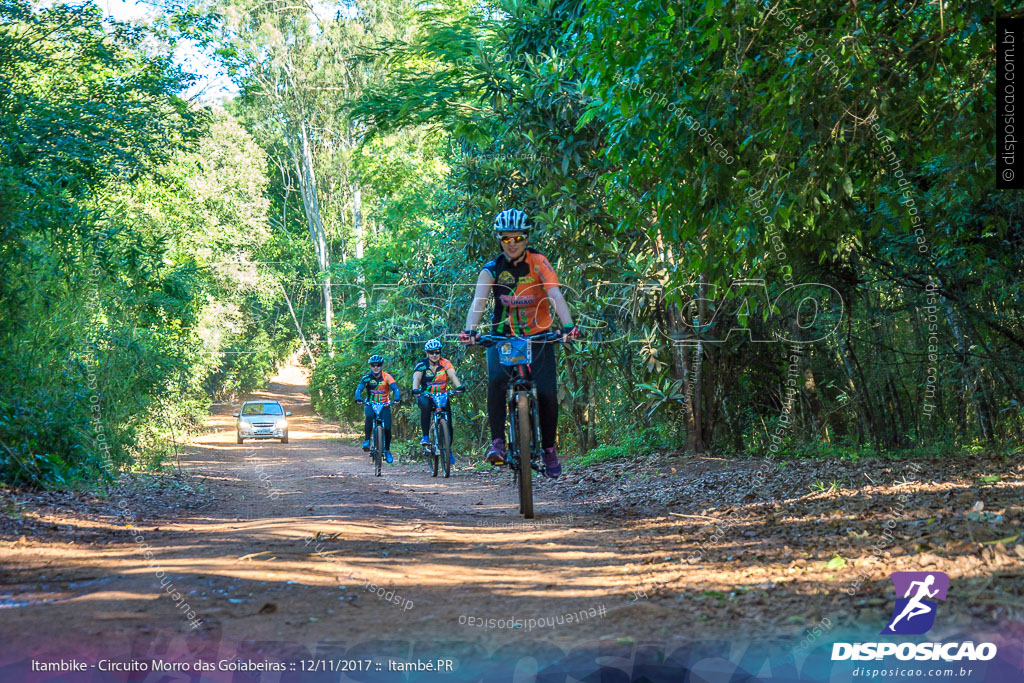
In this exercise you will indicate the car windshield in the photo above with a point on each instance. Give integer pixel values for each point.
(262, 409)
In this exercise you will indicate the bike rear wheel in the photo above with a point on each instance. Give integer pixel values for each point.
(523, 434)
(378, 449)
(444, 444)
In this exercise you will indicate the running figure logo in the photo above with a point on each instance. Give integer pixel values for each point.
(914, 613)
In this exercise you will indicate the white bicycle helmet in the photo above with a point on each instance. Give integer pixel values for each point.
(512, 220)
(432, 345)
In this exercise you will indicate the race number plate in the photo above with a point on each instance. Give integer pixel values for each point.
(515, 352)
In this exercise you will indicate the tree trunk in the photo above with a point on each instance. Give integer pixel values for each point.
(863, 408)
(298, 328)
(303, 159)
(357, 218)
(359, 231)
(972, 381)
(591, 433)
(700, 440)
(819, 423)
(693, 374)
(868, 398)
(711, 403)
(887, 392)
(685, 351)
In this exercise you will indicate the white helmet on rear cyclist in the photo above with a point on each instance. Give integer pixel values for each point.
(432, 345)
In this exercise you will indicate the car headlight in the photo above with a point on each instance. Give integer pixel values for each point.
(282, 424)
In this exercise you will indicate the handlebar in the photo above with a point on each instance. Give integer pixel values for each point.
(362, 402)
(453, 392)
(487, 340)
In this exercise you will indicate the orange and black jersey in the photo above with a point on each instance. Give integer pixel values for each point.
(434, 381)
(520, 293)
(377, 388)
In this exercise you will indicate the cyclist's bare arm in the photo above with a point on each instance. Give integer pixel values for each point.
(479, 304)
(416, 377)
(561, 308)
(455, 378)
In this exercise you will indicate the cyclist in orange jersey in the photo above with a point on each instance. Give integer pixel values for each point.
(379, 386)
(524, 286)
(429, 377)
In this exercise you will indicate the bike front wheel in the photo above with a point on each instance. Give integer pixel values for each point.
(432, 457)
(378, 449)
(444, 444)
(523, 434)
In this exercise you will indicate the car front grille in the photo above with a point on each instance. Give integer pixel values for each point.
(262, 425)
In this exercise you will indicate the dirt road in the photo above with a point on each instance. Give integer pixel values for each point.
(299, 543)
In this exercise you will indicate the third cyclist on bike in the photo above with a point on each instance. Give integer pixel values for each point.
(433, 373)
(379, 386)
(521, 281)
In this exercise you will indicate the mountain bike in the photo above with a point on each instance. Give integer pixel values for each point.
(524, 425)
(440, 447)
(377, 434)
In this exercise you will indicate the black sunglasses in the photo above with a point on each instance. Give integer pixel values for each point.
(513, 238)
(433, 353)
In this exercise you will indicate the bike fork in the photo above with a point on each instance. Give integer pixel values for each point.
(536, 420)
(515, 449)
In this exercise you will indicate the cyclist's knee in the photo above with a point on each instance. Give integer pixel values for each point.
(496, 372)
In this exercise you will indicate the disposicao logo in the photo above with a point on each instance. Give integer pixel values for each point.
(914, 614)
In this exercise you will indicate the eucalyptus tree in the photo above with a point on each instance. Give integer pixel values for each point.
(272, 50)
(300, 68)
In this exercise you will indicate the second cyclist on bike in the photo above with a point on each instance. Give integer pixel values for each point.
(522, 283)
(431, 376)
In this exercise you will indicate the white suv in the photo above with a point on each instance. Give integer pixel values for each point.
(262, 420)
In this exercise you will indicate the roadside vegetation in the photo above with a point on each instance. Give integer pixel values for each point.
(159, 253)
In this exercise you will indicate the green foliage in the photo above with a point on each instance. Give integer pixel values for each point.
(627, 444)
(333, 384)
(659, 145)
(665, 150)
(130, 222)
(820, 486)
